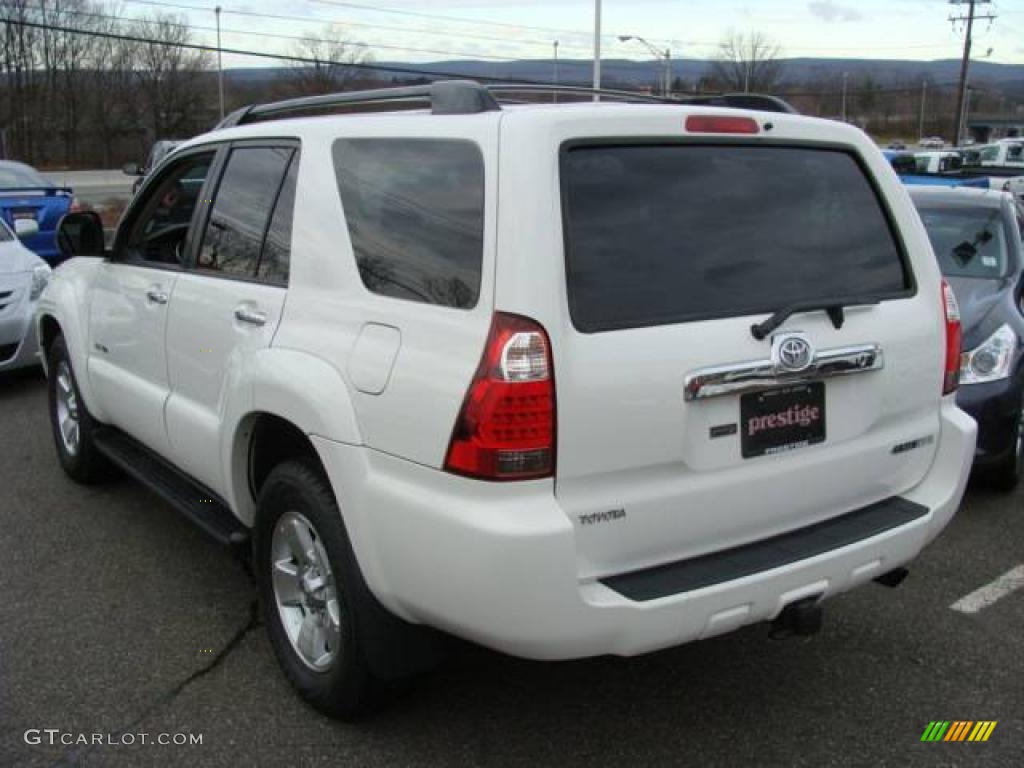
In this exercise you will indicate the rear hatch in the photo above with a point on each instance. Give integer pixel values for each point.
(679, 432)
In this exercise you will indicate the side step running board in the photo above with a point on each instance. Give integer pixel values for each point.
(200, 505)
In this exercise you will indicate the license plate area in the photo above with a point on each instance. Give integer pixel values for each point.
(782, 419)
(23, 213)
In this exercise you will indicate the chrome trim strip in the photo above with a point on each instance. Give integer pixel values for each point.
(760, 374)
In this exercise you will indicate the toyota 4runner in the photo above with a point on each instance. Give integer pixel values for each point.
(563, 380)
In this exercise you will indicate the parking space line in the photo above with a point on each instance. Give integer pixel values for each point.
(982, 598)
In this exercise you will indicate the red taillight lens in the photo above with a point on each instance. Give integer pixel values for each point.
(506, 428)
(951, 377)
(721, 124)
(75, 206)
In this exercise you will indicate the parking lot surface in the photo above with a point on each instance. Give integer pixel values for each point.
(117, 617)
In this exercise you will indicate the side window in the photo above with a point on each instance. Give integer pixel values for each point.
(157, 233)
(241, 210)
(415, 215)
(274, 261)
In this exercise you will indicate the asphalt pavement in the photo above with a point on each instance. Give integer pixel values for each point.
(118, 618)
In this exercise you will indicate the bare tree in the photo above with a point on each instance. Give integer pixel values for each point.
(332, 67)
(746, 62)
(172, 89)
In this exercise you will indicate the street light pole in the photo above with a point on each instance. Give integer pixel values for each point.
(597, 49)
(664, 64)
(220, 66)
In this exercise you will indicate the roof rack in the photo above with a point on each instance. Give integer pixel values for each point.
(444, 97)
(468, 97)
(756, 101)
(575, 90)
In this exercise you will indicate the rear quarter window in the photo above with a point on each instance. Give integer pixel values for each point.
(415, 215)
(659, 234)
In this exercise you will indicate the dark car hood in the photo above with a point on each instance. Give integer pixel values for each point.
(977, 297)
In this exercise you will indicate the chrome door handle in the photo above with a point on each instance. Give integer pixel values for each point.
(156, 295)
(249, 315)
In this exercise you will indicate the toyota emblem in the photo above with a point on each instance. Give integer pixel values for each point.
(792, 353)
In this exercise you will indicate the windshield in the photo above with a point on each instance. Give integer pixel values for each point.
(968, 242)
(17, 175)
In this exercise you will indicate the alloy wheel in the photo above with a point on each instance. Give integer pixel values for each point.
(305, 591)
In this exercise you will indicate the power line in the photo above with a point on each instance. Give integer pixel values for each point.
(450, 33)
(278, 35)
(346, 23)
(260, 54)
(465, 20)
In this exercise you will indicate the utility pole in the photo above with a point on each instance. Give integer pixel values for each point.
(967, 108)
(846, 77)
(668, 72)
(958, 130)
(556, 71)
(597, 49)
(220, 66)
(920, 123)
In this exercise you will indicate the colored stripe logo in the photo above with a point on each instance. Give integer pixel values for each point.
(958, 730)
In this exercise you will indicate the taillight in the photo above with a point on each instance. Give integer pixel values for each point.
(75, 206)
(951, 378)
(506, 428)
(721, 124)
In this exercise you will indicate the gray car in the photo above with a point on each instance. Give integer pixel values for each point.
(976, 235)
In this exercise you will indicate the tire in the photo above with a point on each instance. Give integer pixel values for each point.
(72, 424)
(297, 512)
(1006, 475)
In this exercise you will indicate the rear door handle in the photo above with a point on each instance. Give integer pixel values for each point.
(248, 314)
(156, 294)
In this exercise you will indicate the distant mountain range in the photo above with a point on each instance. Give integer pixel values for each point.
(628, 72)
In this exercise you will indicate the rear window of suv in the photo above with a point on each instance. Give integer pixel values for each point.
(415, 214)
(660, 234)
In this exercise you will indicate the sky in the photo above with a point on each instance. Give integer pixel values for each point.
(436, 30)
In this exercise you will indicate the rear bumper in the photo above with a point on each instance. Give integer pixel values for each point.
(495, 563)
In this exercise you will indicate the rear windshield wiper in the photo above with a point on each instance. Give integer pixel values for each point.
(834, 307)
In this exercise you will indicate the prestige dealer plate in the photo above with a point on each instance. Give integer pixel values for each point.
(782, 419)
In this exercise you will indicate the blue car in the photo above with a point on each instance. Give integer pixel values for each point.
(26, 194)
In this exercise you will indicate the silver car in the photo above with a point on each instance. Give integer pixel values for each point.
(23, 275)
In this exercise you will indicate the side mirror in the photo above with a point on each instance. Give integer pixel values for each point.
(81, 234)
(132, 169)
(26, 228)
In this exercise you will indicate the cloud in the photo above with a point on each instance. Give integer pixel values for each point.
(828, 11)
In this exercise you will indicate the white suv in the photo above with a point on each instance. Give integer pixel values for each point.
(562, 380)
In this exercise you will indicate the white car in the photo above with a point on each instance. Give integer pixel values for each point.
(562, 380)
(23, 276)
(942, 161)
(931, 142)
